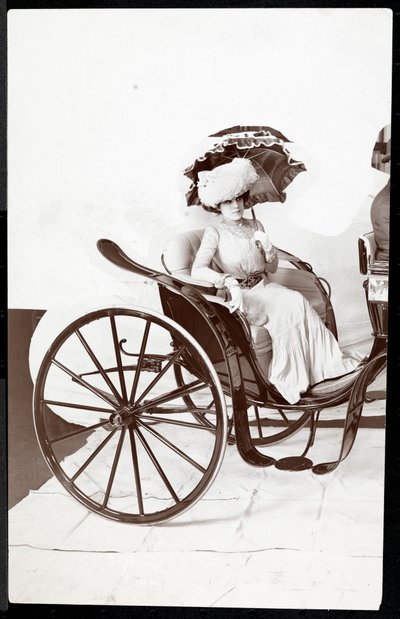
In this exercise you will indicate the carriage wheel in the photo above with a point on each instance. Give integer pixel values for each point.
(267, 426)
(110, 377)
(273, 426)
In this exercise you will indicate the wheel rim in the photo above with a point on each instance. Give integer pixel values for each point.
(110, 377)
(268, 426)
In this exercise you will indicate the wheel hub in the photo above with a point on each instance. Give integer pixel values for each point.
(124, 416)
(115, 420)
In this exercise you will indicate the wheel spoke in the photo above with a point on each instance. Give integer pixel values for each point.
(114, 467)
(78, 432)
(177, 409)
(83, 383)
(230, 427)
(96, 409)
(172, 395)
(135, 463)
(101, 370)
(157, 465)
(282, 414)
(172, 446)
(160, 374)
(175, 422)
(203, 412)
(206, 422)
(260, 434)
(140, 361)
(94, 454)
(118, 360)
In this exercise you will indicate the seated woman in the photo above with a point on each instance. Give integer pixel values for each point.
(304, 351)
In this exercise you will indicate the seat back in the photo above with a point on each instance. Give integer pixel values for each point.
(179, 253)
(366, 251)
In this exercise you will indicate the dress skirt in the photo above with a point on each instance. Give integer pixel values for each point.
(304, 351)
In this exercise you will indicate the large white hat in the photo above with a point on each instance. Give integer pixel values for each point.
(226, 182)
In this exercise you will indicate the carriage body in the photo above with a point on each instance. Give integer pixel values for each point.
(174, 436)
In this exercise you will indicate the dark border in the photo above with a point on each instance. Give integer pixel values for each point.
(3, 312)
(390, 606)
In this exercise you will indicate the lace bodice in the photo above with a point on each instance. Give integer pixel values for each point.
(232, 247)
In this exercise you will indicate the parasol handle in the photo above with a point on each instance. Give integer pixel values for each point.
(260, 247)
(254, 216)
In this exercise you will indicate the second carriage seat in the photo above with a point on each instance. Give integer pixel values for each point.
(177, 259)
(366, 252)
(376, 285)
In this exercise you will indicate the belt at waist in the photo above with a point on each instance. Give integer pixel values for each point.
(251, 280)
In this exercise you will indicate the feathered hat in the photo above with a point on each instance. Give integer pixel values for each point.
(226, 182)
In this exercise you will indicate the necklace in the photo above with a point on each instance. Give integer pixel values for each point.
(234, 222)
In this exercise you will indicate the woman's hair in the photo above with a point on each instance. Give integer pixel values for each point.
(217, 209)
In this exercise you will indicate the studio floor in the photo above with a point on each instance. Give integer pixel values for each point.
(259, 538)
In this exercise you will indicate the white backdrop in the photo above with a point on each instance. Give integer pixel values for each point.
(106, 107)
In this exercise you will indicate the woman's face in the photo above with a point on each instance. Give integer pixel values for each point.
(232, 209)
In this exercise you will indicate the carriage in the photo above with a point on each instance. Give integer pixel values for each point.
(134, 408)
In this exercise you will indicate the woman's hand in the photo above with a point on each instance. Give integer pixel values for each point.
(261, 238)
(235, 291)
(236, 302)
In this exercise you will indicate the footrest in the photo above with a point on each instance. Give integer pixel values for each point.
(294, 463)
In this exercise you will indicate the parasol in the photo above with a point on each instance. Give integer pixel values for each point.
(266, 149)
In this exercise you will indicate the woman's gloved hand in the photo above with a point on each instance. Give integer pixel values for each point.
(261, 238)
(235, 291)
(236, 302)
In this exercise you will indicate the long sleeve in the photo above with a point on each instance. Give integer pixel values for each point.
(271, 257)
(206, 252)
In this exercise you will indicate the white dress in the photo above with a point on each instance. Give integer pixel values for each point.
(304, 351)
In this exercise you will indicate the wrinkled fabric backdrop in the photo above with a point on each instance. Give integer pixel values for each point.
(107, 107)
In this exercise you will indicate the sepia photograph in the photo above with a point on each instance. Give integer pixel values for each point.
(198, 262)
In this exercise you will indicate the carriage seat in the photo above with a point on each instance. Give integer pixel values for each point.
(178, 257)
